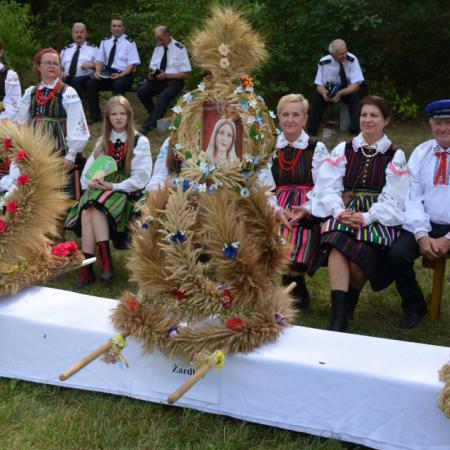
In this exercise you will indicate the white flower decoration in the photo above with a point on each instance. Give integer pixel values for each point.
(179, 146)
(239, 90)
(244, 192)
(253, 103)
(187, 98)
(224, 49)
(201, 86)
(177, 109)
(277, 131)
(251, 120)
(249, 89)
(272, 115)
(202, 187)
(172, 128)
(224, 63)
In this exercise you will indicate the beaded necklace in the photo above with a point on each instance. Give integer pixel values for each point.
(43, 100)
(118, 150)
(287, 165)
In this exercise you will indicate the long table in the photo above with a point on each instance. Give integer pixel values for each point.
(377, 392)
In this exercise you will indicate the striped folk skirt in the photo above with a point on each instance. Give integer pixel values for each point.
(305, 237)
(366, 246)
(114, 204)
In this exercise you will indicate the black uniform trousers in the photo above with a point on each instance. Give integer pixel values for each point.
(401, 257)
(78, 83)
(319, 105)
(166, 91)
(118, 86)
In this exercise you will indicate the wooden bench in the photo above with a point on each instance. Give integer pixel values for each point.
(434, 300)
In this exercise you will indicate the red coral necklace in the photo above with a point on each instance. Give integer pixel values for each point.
(41, 99)
(287, 165)
(118, 150)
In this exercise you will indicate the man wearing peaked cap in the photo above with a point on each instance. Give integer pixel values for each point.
(427, 226)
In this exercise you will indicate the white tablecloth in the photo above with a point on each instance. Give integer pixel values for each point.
(376, 392)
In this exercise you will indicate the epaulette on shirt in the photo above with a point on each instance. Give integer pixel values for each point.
(90, 45)
(325, 61)
(350, 58)
(129, 39)
(179, 45)
(106, 38)
(67, 46)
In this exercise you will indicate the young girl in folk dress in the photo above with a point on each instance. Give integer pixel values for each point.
(107, 204)
(294, 169)
(363, 187)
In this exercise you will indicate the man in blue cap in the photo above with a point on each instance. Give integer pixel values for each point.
(427, 225)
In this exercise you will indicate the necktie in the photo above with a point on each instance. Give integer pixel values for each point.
(163, 64)
(112, 53)
(342, 76)
(73, 63)
(441, 174)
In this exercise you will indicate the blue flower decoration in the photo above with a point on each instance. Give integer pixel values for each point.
(186, 184)
(172, 332)
(178, 237)
(230, 250)
(144, 226)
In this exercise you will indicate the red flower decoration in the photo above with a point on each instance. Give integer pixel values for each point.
(229, 297)
(3, 226)
(23, 179)
(178, 293)
(235, 324)
(133, 304)
(64, 248)
(11, 206)
(7, 143)
(21, 155)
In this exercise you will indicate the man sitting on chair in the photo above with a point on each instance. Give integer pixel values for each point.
(169, 67)
(427, 226)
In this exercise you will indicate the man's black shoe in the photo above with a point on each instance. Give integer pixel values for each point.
(411, 320)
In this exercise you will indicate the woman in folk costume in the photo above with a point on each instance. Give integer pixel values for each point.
(363, 186)
(294, 169)
(10, 91)
(106, 205)
(58, 106)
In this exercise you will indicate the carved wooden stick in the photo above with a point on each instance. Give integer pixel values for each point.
(88, 359)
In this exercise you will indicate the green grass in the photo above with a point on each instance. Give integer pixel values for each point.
(36, 416)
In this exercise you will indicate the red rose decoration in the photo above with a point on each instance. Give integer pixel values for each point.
(7, 143)
(21, 155)
(23, 179)
(11, 206)
(229, 297)
(235, 324)
(178, 293)
(3, 226)
(64, 248)
(133, 304)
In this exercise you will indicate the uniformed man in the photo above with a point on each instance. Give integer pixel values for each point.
(169, 67)
(10, 92)
(115, 64)
(427, 215)
(339, 78)
(78, 59)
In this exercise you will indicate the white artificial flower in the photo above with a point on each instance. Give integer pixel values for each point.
(272, 114)
(224, 63)
(244, 192)
(179, 146)
(251, 120)
(224, 49)
(239, 90)
(202, 187)
(187, 98)
(253, 103)
(201, 86)
(177, 109)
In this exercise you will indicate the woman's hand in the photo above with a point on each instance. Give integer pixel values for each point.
(284, 217)
(298, 213)
(351, 219)
(100, 184)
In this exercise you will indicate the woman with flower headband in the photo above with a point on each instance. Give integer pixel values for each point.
(363, 187)
(106, 205)
(294, 170)
(59, 107)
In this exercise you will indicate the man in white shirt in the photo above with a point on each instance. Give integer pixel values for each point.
(78, 59)
(427, 225)
(339, 79)
(115, 64)
(169, 67)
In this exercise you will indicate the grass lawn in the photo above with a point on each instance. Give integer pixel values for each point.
(36, 416)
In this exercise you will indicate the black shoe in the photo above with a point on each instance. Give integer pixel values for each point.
(339, 320)
(94, 120)
(412, 319)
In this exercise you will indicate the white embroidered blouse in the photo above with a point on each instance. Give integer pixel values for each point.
(389, 210)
